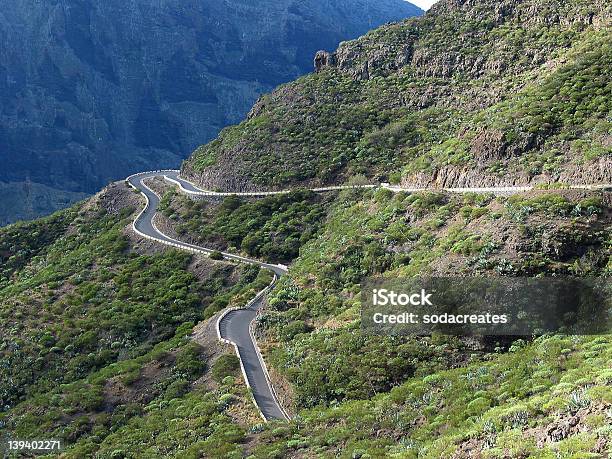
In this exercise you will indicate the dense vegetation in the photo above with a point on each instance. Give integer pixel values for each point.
(20, 242)
(95, 337)
(547, 399)
(484, 89)
(486, 92)
(314, 311)
(272, 229)
(97, 347)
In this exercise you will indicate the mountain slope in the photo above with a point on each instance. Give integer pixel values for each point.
(101, 351)
(473, 93)
(91, 91)
(98, 326)
(353, 394)
(546, 399)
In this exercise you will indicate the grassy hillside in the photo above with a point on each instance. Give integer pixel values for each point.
(98, 347)
(547, 399)
(363, 396)
(474, 93)
(95, 335)
(273, 228)
(314, 314)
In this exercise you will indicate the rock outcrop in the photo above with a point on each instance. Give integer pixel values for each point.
(323, 59)
(474, 93)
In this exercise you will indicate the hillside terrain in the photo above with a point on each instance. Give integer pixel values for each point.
(99, 329)
(107, 341)
(99, 343)
(93, 91)
(473, 94)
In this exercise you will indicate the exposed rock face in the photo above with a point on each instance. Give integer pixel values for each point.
(474, 93)
(323, 59)
(595, 172)
(91, 91)
(388, 57)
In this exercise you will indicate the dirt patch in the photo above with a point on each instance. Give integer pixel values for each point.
(158, 185)
(142, 390)
(284, 389)
(205, 334)
(560, 239)
(244, 413)
(569, 424)
(204, 268)
(114, 199)
(564, 426)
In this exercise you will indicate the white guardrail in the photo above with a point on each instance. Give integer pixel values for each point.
(257, 350)
(260, 193)
(495, 190)
(173, 242)
(204, 251)
(387, 186)
(265, 367)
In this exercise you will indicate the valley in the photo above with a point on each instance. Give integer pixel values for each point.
(91, 92)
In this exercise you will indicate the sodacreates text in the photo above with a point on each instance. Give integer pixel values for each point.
(384, 297)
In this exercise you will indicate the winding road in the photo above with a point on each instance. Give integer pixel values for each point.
(145, 226)
(235, 326)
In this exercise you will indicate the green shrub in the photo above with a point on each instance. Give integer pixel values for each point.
(295, 328)
(189, 361)
(226, 365)
(177, 389)
(216, 255)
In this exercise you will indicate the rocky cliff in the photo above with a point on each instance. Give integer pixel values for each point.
(474, 93)
(92, 91)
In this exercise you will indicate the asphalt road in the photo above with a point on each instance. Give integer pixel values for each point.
(188, 188)
(234, 326)
(145, 225)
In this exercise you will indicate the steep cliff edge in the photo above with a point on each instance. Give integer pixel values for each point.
(93, 91)
(474, 93)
